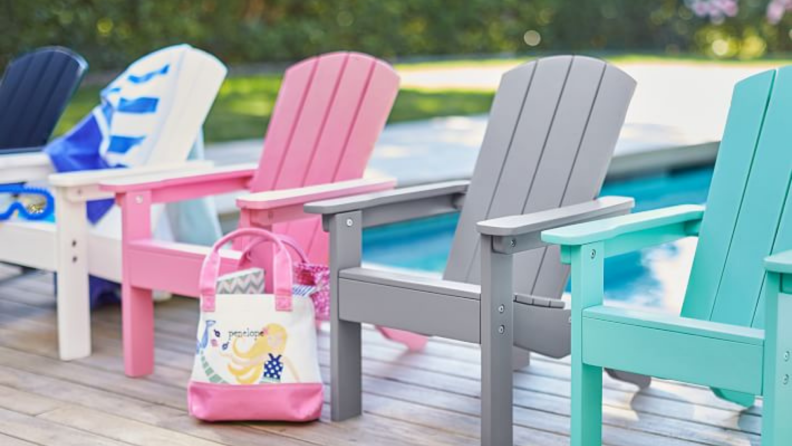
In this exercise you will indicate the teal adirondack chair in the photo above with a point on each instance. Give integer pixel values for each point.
(735, 331)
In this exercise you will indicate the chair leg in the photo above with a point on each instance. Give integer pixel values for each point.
(496, 391)
(777, 405)
(497, 344)
(777, 386)
(642, 381)
(346, 380)
(137, 304)
(587, 290)
(346, 370)
(74, 312)
(586, 405)
(137, 307)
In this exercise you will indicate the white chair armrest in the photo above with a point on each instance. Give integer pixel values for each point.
(24, 167)
(85, 186)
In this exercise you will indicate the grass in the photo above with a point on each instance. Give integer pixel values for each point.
(244, 105)
(611, 56)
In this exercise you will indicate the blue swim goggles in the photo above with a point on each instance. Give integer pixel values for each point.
(39, 210)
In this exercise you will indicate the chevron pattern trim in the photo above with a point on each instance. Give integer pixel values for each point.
(248, 281)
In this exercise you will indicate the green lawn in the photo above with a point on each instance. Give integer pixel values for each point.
(611, 56)
(243, 107)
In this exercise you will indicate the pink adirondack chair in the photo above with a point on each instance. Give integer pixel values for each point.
(328, 115)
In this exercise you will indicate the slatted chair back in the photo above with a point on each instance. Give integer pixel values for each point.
(328, 115)
(200, 77)
(34, 92)
(748, 212)
(552, 130)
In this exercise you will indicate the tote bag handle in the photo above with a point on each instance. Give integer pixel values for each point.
(245, 259)
(281, 269)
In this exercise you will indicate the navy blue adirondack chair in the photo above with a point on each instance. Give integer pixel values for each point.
(34, 92)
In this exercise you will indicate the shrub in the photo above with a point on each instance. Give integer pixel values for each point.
(110, 33)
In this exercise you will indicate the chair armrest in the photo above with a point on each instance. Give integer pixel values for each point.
(518, 233)
(381, 208)
(780, 263)
(23, 167)
(85, 185)
(553, 218)
(170, 178)
(300, 196)
(372, 200)
(173, 186)
(97, 177)
(611, 228)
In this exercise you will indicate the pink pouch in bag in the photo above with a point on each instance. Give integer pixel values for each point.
(306, 274)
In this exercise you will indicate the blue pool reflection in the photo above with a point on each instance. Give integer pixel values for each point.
(654, 277)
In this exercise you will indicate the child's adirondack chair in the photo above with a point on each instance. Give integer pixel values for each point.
(734, 333)
(328, 115)
(34, 92)
(552, 130)
(71, 247)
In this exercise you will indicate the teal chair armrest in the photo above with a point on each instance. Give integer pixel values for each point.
(630, 232)
(780, 263)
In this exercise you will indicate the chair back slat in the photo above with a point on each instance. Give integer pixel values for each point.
(328, 115)
(743, 222)
(553, 127)
(34, 92)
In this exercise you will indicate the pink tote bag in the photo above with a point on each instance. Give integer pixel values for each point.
(256, 355)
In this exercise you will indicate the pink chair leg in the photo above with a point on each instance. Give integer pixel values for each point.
(413, 342)
(137, 308)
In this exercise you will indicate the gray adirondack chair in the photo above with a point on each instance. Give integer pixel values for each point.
(552, 130)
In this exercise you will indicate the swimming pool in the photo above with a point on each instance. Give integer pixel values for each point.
(655, 277)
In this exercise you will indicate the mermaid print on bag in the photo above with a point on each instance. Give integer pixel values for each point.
(273, 369)
(264, 361)
(202, 343)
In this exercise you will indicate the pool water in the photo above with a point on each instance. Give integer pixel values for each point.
(654, 277)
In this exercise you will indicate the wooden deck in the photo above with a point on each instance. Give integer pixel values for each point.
(410, 399)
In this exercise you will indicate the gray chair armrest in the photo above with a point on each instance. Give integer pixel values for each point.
(396, 205)
(401, 195)
(522, 232)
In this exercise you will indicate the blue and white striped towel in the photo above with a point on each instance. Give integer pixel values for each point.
(123, 130)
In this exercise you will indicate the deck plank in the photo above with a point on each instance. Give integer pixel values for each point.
(430, 398)
(527, 403)
(36, 430)
(5, 440)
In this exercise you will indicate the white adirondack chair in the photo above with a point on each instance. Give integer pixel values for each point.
(72, 247)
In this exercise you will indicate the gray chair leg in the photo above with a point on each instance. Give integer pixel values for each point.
(497, 342)
(642, 381)
(345, 372)
(345, 337)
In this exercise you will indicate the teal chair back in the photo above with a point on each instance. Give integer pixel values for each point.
(747, 216)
